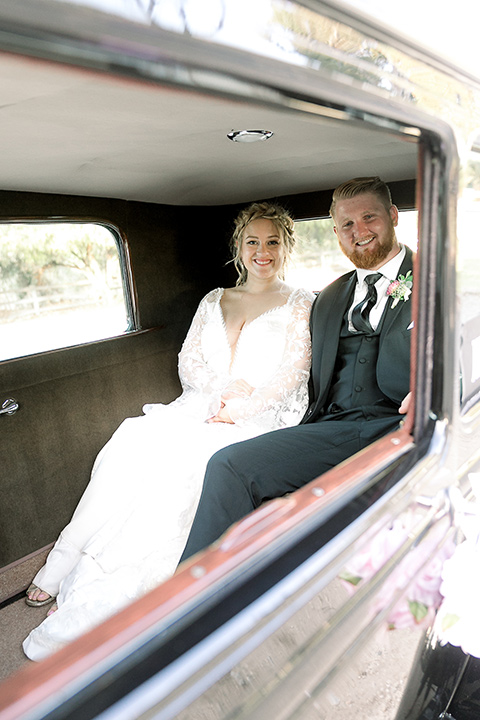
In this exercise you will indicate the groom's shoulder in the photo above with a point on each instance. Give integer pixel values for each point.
(328, 296)
(330, 290)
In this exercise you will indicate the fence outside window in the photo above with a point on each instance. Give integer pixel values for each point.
(61, 284)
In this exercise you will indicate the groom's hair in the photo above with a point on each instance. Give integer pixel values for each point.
(357, 186)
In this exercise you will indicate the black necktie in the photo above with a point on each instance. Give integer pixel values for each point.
(361, 311)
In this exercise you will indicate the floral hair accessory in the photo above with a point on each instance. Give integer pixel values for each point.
(401, 289)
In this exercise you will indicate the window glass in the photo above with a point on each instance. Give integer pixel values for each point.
(468, 272)
(468, 259)
(317, 259)
(61, 284)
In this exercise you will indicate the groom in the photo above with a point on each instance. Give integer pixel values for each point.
(360, 326)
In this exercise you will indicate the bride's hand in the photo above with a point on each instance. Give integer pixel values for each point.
(222, 416)
(237, 388)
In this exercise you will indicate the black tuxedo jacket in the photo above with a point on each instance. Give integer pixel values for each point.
(393, 362)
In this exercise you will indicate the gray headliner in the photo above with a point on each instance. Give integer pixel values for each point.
(74, 131)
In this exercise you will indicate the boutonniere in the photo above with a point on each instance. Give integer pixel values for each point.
(401, 289)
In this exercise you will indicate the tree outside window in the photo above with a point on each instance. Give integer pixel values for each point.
(61, 284)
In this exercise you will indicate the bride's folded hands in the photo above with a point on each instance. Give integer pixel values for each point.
(222, 416)
(236, 389)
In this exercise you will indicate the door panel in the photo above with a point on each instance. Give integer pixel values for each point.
(70, 402)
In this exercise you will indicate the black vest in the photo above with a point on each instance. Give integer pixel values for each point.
(354, 382)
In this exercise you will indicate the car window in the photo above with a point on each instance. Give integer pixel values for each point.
(468, 267)
(317, 259)
(61, 284)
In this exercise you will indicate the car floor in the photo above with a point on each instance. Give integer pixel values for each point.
(17, 619)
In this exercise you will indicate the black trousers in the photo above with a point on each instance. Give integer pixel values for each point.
(242, 476)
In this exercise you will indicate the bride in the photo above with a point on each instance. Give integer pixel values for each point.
(244, 370)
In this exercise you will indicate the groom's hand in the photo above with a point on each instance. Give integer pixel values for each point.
(405, 406)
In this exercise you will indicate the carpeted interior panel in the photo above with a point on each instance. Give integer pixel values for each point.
(69, 407)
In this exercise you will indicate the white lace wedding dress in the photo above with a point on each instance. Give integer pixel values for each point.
(131, 525)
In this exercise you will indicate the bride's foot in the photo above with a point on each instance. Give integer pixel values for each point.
(37, 597)
(53, 609)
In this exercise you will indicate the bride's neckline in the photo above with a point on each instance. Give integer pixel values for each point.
(234, 347)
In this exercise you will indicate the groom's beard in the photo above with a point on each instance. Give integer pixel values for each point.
(369, 260)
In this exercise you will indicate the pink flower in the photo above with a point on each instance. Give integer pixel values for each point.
(417, 577)
(401, 289)
(392, 287)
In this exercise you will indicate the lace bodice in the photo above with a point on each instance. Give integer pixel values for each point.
(273, 354)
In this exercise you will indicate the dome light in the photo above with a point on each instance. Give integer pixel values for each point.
(249, 136)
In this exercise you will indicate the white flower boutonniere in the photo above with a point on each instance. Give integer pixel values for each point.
(401, 289)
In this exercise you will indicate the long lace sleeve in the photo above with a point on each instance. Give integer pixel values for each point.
(284, 399)
(193, 370)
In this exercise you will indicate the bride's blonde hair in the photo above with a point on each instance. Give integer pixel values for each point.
(282, 221)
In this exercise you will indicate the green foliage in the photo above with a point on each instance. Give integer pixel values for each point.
(449, 620)
(317, 244)
(472, 174)
(348, 577)
(50, 267)
(46, 254)
(418, 610)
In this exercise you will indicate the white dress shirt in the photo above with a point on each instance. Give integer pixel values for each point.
(389, 273)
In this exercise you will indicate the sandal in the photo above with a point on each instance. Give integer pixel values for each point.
(38, 603)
